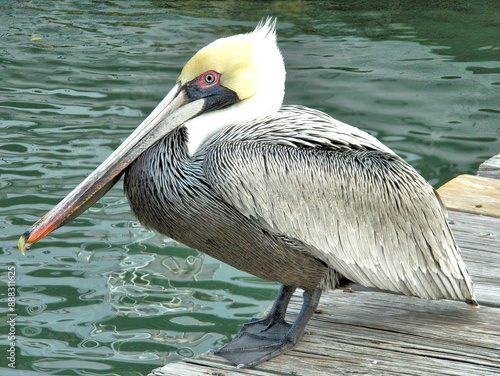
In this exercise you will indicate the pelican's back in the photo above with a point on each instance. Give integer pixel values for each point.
(355, 204)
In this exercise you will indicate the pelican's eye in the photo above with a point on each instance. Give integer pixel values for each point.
(211, 77)
(207, 86)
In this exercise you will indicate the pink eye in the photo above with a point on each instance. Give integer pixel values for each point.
(211, 77)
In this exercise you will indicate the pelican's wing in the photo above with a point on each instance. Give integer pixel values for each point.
(361, 209)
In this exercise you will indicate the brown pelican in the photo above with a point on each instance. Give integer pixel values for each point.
(282, 192)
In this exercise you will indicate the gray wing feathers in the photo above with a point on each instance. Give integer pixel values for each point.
(360, 209)
(299, 126)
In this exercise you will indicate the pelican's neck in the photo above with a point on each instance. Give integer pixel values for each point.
(203, 127)
(262, 104)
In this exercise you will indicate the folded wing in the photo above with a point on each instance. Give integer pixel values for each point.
(353, 203)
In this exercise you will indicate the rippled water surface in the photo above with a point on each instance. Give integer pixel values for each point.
(104, 296)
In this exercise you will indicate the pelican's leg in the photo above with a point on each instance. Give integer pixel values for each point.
(273, 324)
(271, 336)
(277, 313)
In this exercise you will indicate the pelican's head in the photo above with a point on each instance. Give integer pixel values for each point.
(232, 80)
(250, 65)
(241, 76)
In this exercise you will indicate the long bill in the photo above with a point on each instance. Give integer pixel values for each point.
(174, 110)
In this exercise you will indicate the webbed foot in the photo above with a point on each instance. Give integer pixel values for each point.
(257, 342)
(263, 339)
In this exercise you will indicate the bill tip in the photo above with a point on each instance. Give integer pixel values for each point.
(23, 244)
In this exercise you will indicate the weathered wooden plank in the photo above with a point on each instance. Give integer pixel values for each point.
(479, 238)
(376, 333)
(490, 168)
(472, 194)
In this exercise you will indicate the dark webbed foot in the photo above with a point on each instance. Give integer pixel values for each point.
(265, 327)
(257, 342)
(261, 340)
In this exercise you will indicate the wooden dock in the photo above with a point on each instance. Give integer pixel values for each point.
(367, 332)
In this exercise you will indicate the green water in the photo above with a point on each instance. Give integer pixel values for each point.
(103, 296)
